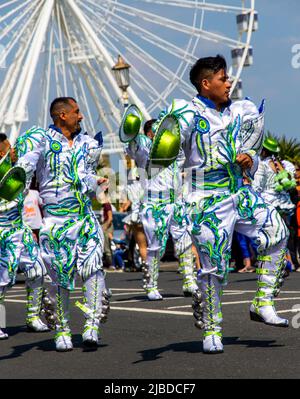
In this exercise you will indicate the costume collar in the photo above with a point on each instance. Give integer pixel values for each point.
(58, 130)
(211, 104)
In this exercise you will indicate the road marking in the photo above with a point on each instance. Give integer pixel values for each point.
(15, 295)
(145, 300)
(128, 289)
(143, 310)
(289, 310)
(235, 302)
(15, 300)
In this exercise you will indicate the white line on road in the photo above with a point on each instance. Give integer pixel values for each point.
(143, 310)
(15, 300)
(297, 310)
(236, 302)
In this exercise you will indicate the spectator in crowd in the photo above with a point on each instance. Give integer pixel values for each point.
(118, 255)
(244, 251)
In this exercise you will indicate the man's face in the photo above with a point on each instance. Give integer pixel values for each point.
(217, 87)
(72, 117)
(150, 134)
(4, 148)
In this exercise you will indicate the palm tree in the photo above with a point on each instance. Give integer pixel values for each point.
(289, 148)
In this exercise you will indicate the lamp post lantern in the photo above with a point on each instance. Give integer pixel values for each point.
(121, 73)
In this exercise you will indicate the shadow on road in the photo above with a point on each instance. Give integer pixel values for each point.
(46, 345)
(196, 347)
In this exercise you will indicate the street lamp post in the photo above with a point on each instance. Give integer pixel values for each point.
(121, 73)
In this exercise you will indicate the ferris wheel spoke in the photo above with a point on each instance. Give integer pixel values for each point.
(198, 5)
(147, 59)
(149, 37)
(152, 92)
(177, 26)
(106, 94)
(8, 3)
(14, 11)
(48, 77)
(75, 90)
(62, 56)
(20, 36)
(6, 31)
(23, 37)
(87, 114)
(94, 94)
(70, 46)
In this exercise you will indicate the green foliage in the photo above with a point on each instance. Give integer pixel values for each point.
(289, 148)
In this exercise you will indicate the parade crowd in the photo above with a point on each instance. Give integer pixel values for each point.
(205, 175)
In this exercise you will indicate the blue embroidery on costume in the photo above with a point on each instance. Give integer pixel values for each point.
(203, 125)
(55, 146)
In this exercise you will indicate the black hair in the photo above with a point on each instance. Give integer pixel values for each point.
(3, 137)
(148, 125)
(204, 68)
(58, 104)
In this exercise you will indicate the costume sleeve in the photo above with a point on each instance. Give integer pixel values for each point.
(29, 147)
(288, 166)
(249, 132)
(139, 150)
(260, 178)
(92, 151)
(250, 135)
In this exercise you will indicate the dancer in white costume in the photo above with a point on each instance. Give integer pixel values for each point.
(71, 238)
(162, 212)
(275, 178)
(220, 141)
(19, 250)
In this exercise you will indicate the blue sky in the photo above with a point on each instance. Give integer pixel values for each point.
(272, 75)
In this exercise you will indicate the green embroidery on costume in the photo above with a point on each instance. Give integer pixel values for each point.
(247, 204)
(160, 215)
(58, 242)
(27, 141)
(179, 113)
(217, 250)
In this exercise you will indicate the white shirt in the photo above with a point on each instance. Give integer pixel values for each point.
(31, 212)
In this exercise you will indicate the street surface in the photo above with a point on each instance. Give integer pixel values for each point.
(158, 340)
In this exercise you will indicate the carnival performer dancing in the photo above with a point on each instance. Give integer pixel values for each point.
(275, 178)
(162, 212)
(18, 249)
(71, 238)
(220, 141)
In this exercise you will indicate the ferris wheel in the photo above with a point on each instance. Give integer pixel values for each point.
(52, 48)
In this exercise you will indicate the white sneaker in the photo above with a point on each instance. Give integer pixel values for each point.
(189, 290)
(3, 335)
(36, 325)
(90, 336)
(212, 344)
(267, 314)
(154, 296)
(63, 342)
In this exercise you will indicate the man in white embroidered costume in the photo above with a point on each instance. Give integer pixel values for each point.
(220, 141)
(71, 238)
(19, 250)
(275, 178)
(162, 212)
